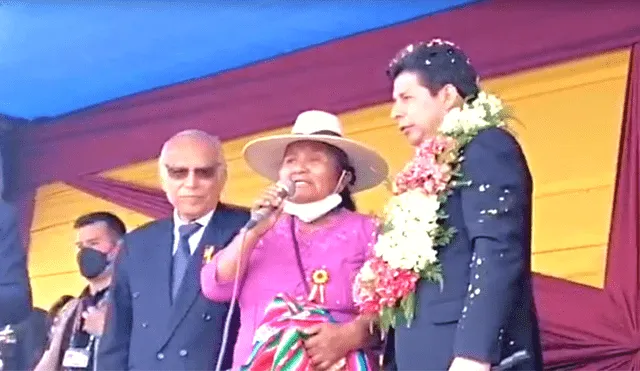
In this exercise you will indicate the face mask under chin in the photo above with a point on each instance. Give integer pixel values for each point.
(312, 211)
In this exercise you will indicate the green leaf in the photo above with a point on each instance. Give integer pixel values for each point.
(408, 305)
(386, 226)
(387, 318)
(444, 236)
(432, 273)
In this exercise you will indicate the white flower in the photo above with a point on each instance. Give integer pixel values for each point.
(409, 244)
(450, 122)
(366, 273)
(413, 203)
(472, 117)
(493, 102)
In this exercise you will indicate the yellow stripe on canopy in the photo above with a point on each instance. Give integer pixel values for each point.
(571, 117)
(569, 125)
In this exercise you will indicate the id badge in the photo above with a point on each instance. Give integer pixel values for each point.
(76, 358)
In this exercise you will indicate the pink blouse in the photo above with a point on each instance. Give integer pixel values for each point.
(340, 248)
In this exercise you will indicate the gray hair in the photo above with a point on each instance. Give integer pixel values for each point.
(196, 134)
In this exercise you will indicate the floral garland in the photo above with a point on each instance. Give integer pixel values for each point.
(412, 228)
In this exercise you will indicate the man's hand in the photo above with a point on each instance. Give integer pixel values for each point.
(464, 364)
(94, 320)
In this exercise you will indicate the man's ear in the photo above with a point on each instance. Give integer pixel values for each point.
(450, 96)
(116, 250)
(224, 175)
(162, 175)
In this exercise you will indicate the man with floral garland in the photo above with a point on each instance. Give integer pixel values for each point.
(482, 311)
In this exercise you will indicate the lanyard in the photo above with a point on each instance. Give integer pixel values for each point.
(296, 247)
(78, 317)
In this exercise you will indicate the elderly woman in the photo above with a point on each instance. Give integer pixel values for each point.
(311, 246)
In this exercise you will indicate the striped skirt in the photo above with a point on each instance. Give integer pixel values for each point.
(278, 342)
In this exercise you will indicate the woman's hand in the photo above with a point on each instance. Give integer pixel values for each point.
(270, 199)
(245, 241)
(328, 343)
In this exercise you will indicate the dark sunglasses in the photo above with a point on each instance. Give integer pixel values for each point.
(177, 172)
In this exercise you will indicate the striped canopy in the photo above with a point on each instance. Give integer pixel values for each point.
(116, 84)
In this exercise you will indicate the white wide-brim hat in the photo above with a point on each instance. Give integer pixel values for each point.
(264, 155)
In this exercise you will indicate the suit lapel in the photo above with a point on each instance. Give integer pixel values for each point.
(160, 280)
(215, 234)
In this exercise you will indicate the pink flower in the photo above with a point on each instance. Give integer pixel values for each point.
(389, 287)
(428, 170)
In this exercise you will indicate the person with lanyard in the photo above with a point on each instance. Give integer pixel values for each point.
(99, 238)
(300, 261)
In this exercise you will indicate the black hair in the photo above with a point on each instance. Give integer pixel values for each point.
(58, 305)
(115, 224)
(344, 165)
(437, 64)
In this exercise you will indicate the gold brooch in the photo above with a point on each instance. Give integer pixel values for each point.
(209, 251)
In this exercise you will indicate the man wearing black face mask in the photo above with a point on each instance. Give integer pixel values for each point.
(99, 237)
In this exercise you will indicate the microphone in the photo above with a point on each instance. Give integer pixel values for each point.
(286, 188)
(512, 360)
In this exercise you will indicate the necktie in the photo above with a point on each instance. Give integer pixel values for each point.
(182, 256)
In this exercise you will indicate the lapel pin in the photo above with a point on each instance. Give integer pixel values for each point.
(209, 251)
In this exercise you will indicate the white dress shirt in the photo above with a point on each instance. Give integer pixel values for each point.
(195, 238)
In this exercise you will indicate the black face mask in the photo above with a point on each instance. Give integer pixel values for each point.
(91, 262)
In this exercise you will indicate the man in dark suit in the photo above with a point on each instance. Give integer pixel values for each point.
(158, 318)
(32, 339)
(15, 291)
(485, 310)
